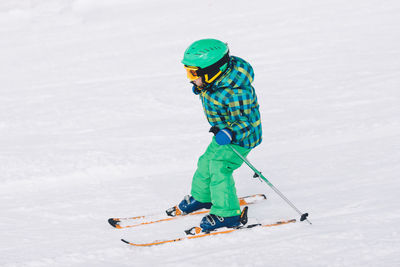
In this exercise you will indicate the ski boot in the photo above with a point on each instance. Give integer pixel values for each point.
(212, 222)
(187, 205)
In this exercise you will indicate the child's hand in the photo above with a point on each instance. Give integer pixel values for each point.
(222, 137)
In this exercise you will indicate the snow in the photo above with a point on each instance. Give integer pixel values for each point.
(97, 120)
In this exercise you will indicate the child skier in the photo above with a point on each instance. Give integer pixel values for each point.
(223, 83)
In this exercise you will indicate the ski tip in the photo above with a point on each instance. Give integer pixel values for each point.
(113, 222)
(127, 242)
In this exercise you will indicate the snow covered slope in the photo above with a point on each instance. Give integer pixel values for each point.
(97, 120)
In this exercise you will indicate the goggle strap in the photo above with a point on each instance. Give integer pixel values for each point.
(216, 67)
(213, 78)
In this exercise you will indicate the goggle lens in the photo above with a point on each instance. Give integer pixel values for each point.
(192, 73)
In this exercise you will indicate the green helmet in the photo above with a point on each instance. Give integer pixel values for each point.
(210, 56)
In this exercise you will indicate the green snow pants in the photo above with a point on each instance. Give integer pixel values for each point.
(213, 181)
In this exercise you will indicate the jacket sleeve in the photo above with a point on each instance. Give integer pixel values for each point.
(239, 109)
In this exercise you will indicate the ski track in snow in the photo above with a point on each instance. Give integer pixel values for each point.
(97, 120)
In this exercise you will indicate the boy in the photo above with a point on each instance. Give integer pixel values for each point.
(223, 83)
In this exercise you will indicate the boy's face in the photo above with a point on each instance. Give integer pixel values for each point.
(198, 82)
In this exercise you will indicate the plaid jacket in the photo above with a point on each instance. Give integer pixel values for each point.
(231, 102)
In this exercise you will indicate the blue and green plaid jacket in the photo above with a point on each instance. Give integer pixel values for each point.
(231, 102)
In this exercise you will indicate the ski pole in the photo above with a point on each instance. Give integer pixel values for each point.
(259, 174)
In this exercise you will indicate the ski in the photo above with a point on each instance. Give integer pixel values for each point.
(122, 223)
(195, 232)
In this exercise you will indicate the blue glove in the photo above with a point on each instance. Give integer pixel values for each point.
(224, 137)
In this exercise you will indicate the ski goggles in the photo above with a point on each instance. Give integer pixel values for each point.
(192, 73)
